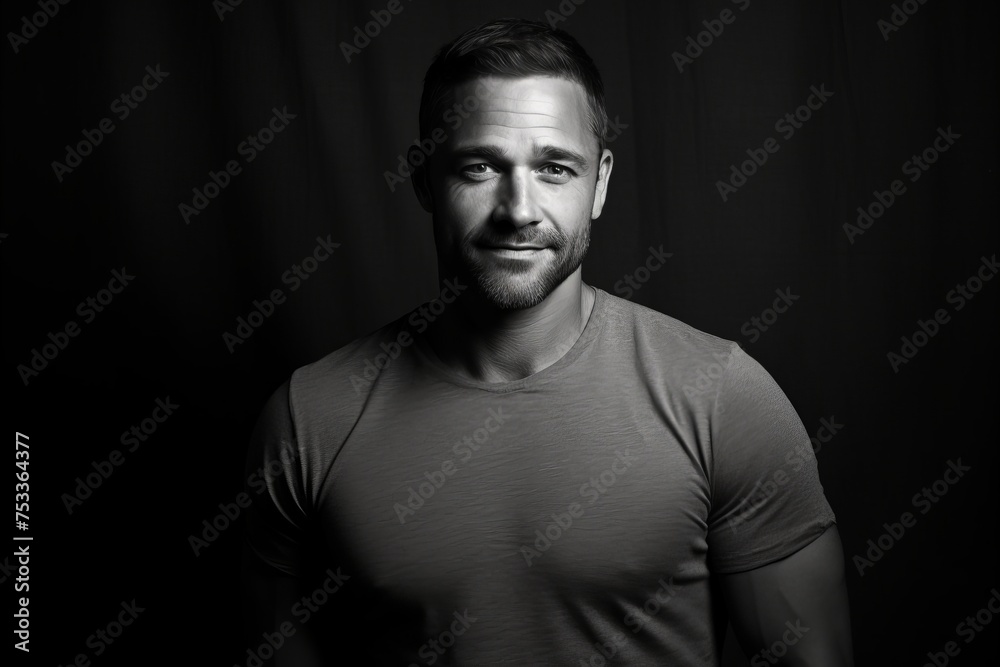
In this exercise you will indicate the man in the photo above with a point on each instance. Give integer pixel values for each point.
(529, 470)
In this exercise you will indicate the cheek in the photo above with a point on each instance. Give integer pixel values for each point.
(466, 205)
(458, 211)
(574, 200)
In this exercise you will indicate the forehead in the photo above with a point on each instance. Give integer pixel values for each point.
(540, 109)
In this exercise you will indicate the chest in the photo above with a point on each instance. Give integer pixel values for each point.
(595, 490)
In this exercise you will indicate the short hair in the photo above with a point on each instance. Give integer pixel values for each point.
(512, 48)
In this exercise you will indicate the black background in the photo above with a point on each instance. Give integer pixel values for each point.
(324, 175)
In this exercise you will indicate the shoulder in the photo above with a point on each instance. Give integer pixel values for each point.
(314, 411)
(707, 370)
(339, 382)
(691, 357)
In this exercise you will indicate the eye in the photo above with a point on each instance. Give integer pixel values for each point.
(557, 173)
(479, 169)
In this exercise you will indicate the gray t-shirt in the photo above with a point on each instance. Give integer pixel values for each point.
(566, 518)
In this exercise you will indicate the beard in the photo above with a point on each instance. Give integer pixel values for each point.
(516, 284)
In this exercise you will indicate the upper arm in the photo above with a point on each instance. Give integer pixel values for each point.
(269, 598)
(773, 543)
(275, 520)
(276, 517)
(766, 497)
(795, 608)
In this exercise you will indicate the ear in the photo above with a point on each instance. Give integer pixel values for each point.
(421, 177)
(603, 178)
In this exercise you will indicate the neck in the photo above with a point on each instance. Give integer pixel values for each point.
(483, 343)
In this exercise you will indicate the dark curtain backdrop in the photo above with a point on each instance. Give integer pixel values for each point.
(323, 175)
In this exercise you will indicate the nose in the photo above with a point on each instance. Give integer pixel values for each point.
(518, 203)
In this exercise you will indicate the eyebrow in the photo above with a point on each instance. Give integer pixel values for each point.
(488, 151)
(561, 154)
(539, 152)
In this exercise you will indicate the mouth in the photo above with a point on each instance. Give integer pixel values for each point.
(515, 251)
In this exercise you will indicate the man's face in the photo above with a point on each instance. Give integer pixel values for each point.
(515, 187)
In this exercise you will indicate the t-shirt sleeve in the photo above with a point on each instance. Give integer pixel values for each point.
(276, 517)
(767, 500)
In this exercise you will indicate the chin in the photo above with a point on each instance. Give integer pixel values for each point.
(508, 284)
(507, 289)
(503, 295)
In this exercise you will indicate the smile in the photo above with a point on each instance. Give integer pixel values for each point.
(515, 251)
